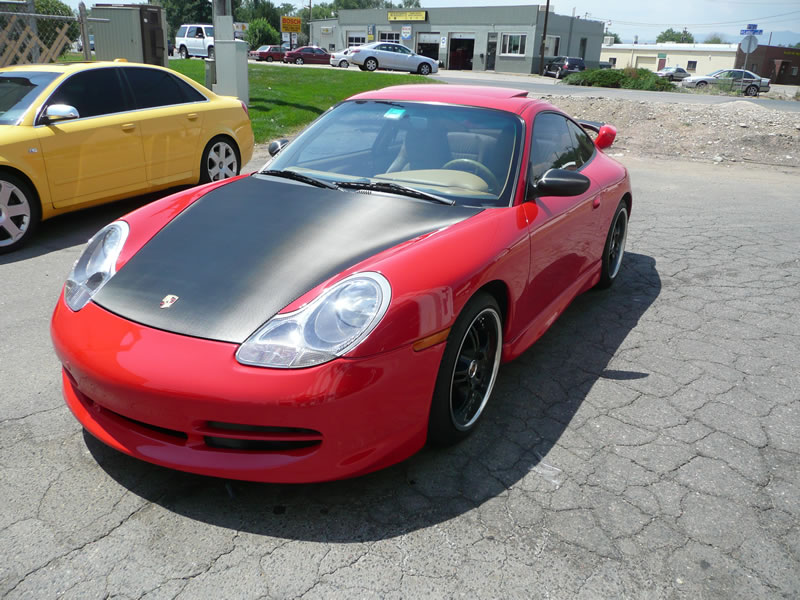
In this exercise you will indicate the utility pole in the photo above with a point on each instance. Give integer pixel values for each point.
(544, 36)
(309, 22)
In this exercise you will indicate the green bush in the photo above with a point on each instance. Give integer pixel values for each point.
(629, 78)
(261, 33)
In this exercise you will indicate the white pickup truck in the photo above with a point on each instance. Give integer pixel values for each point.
(195, 40)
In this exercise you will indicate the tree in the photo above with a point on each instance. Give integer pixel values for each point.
(797, 45)
(670, 35)
(48, 28)
(714, 38)
(261, 33)
(185, 11)
(617, 39)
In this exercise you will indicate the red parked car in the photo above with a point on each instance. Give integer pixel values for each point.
(311, 55)
(328, 315)
(267, 53)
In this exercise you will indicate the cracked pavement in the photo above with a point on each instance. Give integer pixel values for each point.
(646, 447)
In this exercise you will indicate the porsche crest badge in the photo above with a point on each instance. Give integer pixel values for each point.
(168, 300)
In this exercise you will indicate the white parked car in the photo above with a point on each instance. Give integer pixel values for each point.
(393, 57)
(342, 59)
(737, 79)
(195, 40)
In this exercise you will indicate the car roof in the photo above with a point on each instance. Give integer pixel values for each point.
(72, 67)
(511, 100)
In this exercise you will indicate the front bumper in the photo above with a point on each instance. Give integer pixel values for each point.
(185, 403)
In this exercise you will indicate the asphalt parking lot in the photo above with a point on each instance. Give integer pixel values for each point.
(646, 447)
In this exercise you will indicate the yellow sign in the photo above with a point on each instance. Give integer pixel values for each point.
(408, 15)
(291, 24)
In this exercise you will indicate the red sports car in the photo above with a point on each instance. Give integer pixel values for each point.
(328, 315)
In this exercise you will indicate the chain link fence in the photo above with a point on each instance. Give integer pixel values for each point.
(27, 37)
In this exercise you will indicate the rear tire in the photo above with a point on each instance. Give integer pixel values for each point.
(344, 64)
(751, 90)
(269, 59)
(371, 64)
(184, 52)
(20, 212)
(614, 249)
(468, 371)
(221, 160)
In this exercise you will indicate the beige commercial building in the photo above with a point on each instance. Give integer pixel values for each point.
(698, 59)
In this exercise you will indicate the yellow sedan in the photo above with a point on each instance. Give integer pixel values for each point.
(78, 135)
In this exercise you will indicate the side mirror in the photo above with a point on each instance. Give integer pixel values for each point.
(560, 182)
(605, 136)
(60, 112)
(276, 146)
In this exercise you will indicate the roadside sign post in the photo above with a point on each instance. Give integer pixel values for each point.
(748, 44)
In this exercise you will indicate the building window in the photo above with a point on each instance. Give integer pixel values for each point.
(691, 65)
(754, 67)
(794, 71)
(613, 62)
(552, 45)
(390, 36)
(582, 51)
(513, 44)
(356, 39)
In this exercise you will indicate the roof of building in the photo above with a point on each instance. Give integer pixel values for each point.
(675, 46)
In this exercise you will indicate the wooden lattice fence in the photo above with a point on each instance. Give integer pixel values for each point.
(23, 39)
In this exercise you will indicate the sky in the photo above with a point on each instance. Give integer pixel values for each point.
(647, 19)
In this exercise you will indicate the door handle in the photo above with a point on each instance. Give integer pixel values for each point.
(128, 126)
(192, 116)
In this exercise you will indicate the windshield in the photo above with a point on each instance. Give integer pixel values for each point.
(466, 155)
(18, 89)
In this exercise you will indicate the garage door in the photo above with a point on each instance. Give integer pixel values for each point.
(646, 62)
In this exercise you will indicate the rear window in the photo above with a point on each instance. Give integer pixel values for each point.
(18, 90)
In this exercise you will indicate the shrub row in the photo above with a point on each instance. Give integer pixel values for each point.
(629, 78)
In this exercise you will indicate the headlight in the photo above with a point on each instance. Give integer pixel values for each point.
(96, 265)
(330, 326)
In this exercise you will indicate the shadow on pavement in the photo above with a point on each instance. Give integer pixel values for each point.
(535, 400)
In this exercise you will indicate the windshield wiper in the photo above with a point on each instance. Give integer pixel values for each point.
(298, 177)
(393, 188)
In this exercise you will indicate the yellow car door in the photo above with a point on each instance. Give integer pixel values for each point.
(97, 154)
(170, 115)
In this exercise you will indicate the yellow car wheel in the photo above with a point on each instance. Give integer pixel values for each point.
(220, 160)
(20, 212)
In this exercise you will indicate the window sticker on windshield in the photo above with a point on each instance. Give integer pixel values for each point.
(394, 113)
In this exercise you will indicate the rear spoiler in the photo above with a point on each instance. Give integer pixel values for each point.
(591, 125)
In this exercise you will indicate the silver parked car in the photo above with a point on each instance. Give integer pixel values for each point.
(342, 59)
(735, 79)
(393, 57)
(673, 73)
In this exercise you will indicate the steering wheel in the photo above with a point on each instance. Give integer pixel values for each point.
(477, 168)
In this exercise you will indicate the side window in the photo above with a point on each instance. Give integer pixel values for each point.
(192, 32)
(181, 32)
(403, 50)
(552, 146)
(82, 91)
(199, 33)
(582, 142)
(152, 87)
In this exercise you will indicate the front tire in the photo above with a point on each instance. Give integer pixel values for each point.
(211, 53)
(468, 371)
(184, 52)
(424, 69)
(701, 84)
(20, 212)
(371, 64)
(298, 61)
(220, 160)
(614, 249)
(751, 90)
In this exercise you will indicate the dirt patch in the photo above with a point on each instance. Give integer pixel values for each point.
(737, 131)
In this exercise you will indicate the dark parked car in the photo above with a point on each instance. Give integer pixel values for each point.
(307, 54)
(561, 66)
(268, 53)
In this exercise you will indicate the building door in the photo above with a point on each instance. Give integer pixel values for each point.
(428, 45)
(462, 49)
(491, 51)
(662, 62)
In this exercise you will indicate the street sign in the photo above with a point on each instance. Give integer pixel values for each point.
(751, 32)
(752, 26)
(748, 44)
